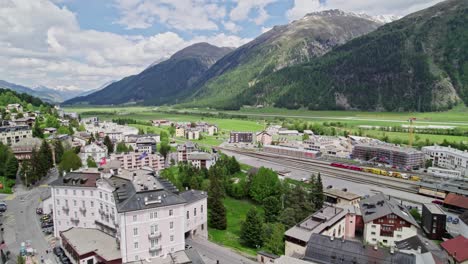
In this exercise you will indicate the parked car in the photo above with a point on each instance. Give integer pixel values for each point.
(58, 251)
(46, 225)
(449, 219)
(39, 211)
(3, 207)
(45, 218)
(455, 221)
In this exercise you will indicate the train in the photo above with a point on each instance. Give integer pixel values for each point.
(377, 171)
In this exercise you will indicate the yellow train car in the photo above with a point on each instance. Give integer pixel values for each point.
(415, 178)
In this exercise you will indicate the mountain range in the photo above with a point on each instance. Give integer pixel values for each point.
(44, 93)
(326, 60)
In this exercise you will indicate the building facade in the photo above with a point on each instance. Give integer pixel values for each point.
(138, 160)
(393, 155)
(386, 221)
(241, 137)
(94, 151)
(433, 221)
(448, 158)
(13, 134)
(147, 216)
(201, 160)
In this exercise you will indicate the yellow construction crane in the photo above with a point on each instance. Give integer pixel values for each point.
(411, 131)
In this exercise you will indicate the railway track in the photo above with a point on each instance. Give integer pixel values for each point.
(325, 170)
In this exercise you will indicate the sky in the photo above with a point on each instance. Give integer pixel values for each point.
(83, 44)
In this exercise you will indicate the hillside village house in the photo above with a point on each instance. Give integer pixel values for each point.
(180, 131)
(13, 134)
(264, 138)
(14, 107)
(201, 160)
(93, 150)
(192, 134)
(339, 222)
(145, 215)
(338, 197)
(386, 221)
(184, 150)
(23, 148)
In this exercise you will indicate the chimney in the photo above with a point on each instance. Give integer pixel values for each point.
(376, 247)
(332, 238)
(392, 250)
(342, 239)
(419, 249)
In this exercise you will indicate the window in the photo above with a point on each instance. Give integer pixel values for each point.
(154, 242)
(135, 245)
(134, 218)
(74, 202)
(106, 196)
(154, 229)
(172, 238)
(66, 202)
(100, 195)
(82, 192)
(57, 191)
(136, 258)
(201, 209)
(194, 211)
(188, 215)
(372, 233)
(374, 239)
(153, 215)
(107, 208)
(171, 225)
(373, 226)
(74, 192)
(92, 203)
(203, 227)
(171, 212)
(135, 231)
(58, 202)
(385, 241)
(76, 215)
(399, 236)
(91, 193)
(83, 204)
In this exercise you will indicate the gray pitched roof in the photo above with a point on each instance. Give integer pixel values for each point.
(411, 243)
(379, 205)
(193, 195)
(321, 249)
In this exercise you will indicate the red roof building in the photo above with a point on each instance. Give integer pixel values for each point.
(457, 248)
(457, 202)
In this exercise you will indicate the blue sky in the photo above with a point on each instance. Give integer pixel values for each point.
(82, 44)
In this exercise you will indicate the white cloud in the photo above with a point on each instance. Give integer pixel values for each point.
(180, 14)
(244, 7)
(370, 7)
(42, 44)
(231, 26)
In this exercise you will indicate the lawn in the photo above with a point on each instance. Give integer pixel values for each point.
(236, 212)
(7, 184)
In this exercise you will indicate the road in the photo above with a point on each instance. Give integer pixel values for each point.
(21, 223)
(211, 253)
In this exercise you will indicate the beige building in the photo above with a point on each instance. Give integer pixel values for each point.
(264, 138)
(13, 134)
(341, 198)
(180, 131)
(138, 160)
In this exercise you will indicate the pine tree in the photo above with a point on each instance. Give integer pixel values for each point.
(251, 229)
(273, 234)
(217, 211)
(272, 208)
(319, 198)
(109, 144)
(58, 151)
(11, 168)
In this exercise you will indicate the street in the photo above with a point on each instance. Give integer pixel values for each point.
(211, 252)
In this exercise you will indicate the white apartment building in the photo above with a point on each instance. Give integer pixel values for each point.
(448, 158)
(192, 134)
(386, 221)
(138, 160)
(115, 131)
(146, 215)
(13, 134)
(334, 146)
(93, 150)
(180, 131)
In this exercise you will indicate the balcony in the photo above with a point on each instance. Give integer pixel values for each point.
(156, 248)
(103, 212)
(83, 210)
(75, 220)
(66, 208)
(154, 235)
